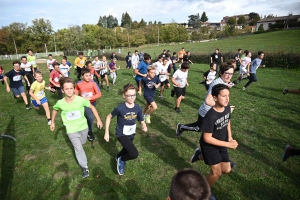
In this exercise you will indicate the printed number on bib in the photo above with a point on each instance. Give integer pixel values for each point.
(129, 129)
(17, 78)
(73, 115)
(87, 94)
(56, 80)
(40, 93)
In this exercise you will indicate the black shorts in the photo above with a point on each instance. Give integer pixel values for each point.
(149, 99)
(214, 155)
(165, 82)
(179, 91)
(103, 75)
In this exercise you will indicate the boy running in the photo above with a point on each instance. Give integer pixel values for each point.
(79, 64)
(29, 71)
(64, 68)
(89, 90)
(50, 62)
(135, 60)
(112, 68)
(31, 59)
(54, 80)
(15, 82)
(127, 113)
(163, 75)
(38, 96)
(141, 70)
(96, 64)
(128, 60)
(104, 72)
(72, 115)
(150, 83)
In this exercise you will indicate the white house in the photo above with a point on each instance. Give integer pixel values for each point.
(266, 22)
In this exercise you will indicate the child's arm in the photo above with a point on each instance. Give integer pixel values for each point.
(157, 85)
(6, 84)
(208, 138)
(52, 126)
(25, 77)
(210, 100)
(229, 131)
(107, 123)
(56, 85)
(174, 82)
(99, 122)
(144, 126)
(187, 84)
(96, 73)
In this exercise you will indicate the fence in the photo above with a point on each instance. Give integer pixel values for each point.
(37, 55)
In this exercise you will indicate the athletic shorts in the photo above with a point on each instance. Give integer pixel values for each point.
(134, 66)
(165, 82)
(149, 99)
(103, 75)
(1, 77)
(18, 90)
(214, 155)
(43, 100)
(179, 91)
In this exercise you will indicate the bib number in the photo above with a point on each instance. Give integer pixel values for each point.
(87, 94)
(17, 78)
(129, 129)
(73, 115)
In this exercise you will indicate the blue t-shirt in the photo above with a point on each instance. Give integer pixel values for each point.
(254, 65)
(142, 69)
(173, 58)
(141, 56)
(15, 78)
(149, 86)
(128, 60)
(126, 119)
(69, 64)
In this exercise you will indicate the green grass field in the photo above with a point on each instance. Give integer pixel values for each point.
(41, 163)
(286, 41)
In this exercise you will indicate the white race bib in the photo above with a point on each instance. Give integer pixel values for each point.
(92, 76)
(56, 80)
(216, 56)
(73, 115)
(40, 93)
(17, 78)
(129, 129)
(87, 94)
(82, 62)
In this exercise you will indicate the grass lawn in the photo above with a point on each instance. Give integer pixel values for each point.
(41, 164)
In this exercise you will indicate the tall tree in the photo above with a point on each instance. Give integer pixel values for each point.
(111, 21)
(203, 17)
(142, 23)
(194, 21)
(241, 20)
(232, 21)
(254, 17)
(102, 21)
(126, 20)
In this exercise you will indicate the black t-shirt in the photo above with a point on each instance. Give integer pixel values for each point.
(15, 79)
(114, 56)
(186, 58)
(237, 55)
(216, 123)
(216, 57)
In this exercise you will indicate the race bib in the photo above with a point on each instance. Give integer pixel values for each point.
(17, 78)
(92, 76)
(73, 115)
(216, 56)
(82, 62)
(40, 93)
(33, 62)
(87, 94)
(129, 129)
(56, 79)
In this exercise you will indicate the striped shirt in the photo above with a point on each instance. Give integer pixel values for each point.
(204, 108)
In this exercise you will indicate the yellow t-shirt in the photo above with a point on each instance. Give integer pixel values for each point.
(38, 89)
(80, 62)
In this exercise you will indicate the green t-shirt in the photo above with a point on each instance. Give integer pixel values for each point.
(73, 113)
(31, 59)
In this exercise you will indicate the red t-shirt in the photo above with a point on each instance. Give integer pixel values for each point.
(88, 89)
(54, 76)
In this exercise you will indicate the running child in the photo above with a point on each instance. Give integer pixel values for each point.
(1, 75)
(97, 64)
(245, 62)
(15, 82)
(163, 75)
(89, 90)
(29, 71)
(68, 63)
(150, 83)
(135, 60)
(93, 72)
(210, 75)
(127, 113)
(141, 70)
(54, 80)
(216, 135)
(187, 58)
(31, 59)
(50, 62)
(180, 82)
(112, 68)
(104, 72)
(79, 64)
(38, 96)
(128, 60)
(72, 115)
(174, 61)
(64, 68)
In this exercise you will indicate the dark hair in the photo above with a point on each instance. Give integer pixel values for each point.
(29, 50)
(230, 61)
(212, 64)
(260, 52)
(182, 48)
(23, 57)
(127, 87)
(217, 49)
(246, 52)
(159, 57)
(165, 59)
(16, 62)
(95, 56)
(215, 91)
(174, 53)
(224, 67)
(189, 184)
(84, 71)
(187, 52)
(239, 49)
(55, 64)
(65, 57)
(80, 53)
(185, 65)
(147, 56)
(37, 72)
(128, 52)
(87, 63)
(50, 54)
(136, 51)
(64, 80)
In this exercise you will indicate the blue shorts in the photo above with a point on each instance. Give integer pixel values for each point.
(43, 100)
(18, 90)
(149, 99)
(1, 77)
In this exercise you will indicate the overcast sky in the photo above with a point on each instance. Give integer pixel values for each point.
(63, 13)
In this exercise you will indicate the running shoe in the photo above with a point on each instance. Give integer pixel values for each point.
(196, 156)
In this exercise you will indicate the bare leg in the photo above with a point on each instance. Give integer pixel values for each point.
(24, 98)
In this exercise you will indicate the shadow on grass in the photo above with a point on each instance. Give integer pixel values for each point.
(284, 122)
(8, 161)
(103, 187)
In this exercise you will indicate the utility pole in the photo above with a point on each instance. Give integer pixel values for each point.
(158, 37)
(16, 47)
(54, 44)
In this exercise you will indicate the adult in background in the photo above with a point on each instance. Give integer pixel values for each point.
(217, 58)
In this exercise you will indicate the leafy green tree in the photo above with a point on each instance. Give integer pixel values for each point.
(102, 21)
(134, 24)
(232, 21)
(126, 20)
(203, 17)
(254, 17)
(241, 20)
(111, 21)
(142, 23)
(261, 28)
(194, 21)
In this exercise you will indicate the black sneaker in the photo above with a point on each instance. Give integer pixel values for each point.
(177, 110)
(90, 136)
(286, 153)
(286, 90)
(172, 93)
(101, 86)
(178, 129)
(196, 155)
(28, 107)
(108, 88)
(85, 172)
(232, 164)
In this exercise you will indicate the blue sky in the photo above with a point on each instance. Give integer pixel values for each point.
(63, 13)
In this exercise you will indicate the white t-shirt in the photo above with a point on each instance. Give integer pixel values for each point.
(104, 70)
(210, 77)
(180, 77)
(156, 65)
(135, 59)
(244, 64)
(26, 66)
(169, 62)
(50, 62)
(162, 69)
(64, 69)
(97, 64)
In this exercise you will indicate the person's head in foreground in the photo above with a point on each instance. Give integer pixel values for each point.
(189, 184)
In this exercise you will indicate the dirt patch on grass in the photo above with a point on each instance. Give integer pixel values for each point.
(41, 60)
(59, 175)
(30, 157)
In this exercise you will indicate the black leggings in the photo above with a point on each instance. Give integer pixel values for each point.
(294, 151)
(78, 69)
(252, 78)
(129, 151)
(30, 78)
(196, 126)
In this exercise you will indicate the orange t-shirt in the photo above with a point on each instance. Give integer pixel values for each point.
(181, 54)
(88, 89)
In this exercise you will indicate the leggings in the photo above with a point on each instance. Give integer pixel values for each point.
(113, 75)
(78, 69)
(129, 151)
(196, 126)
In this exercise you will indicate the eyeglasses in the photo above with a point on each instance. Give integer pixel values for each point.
(130, 96)
(230, 74)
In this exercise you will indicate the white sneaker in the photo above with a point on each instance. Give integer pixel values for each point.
(49, 122)
(244, 88)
